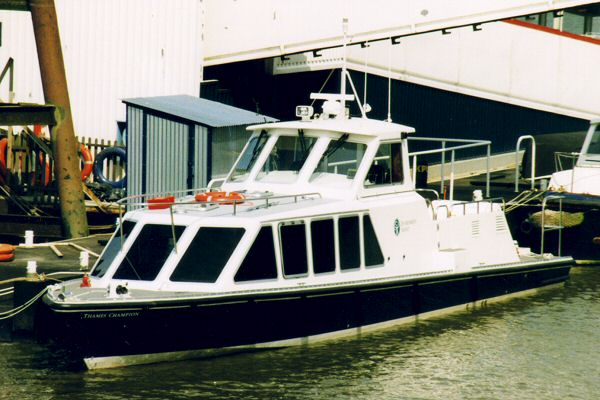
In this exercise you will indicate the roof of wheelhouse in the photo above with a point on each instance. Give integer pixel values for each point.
(358, 126)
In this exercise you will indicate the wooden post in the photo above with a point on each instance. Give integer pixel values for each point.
(64, 143)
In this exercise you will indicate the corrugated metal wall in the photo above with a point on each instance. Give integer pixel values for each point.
(135, 127)
(165, 160)
(201, 167)
(113, 49)
(161, 153)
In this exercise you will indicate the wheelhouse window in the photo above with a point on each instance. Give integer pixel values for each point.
(293, 249)
(339, 163)
(349, 239)
(373, 254)
(207, 255)
(260, 262)
(148, 252)
(387, 167)
(112, 249)
(323, 246)
(244, 165)
(286, 159)
(591, 150)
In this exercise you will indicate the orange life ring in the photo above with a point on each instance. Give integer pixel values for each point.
(220, 197)
(3, 170)
(6, 248)
(7, 257)
(88, 162)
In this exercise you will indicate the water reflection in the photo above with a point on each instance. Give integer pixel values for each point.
(541, 346)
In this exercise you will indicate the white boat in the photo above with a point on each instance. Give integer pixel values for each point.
(570, 206)
(317, 232)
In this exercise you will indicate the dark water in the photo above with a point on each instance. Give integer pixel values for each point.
(544, 346)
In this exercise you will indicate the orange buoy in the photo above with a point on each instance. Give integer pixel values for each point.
(6, 248)
(159, 203)
(7, 257)
(220, 197)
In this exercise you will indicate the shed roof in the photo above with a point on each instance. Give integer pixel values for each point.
(201, 111)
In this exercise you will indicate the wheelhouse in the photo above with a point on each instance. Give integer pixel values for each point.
(315, 157)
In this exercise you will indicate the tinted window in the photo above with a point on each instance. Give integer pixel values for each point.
(373, 255)
(207, 255)
(148, 253)
(349, 242)
(112, 249)
(341, 158)
(323, 246)
(293, 249)
(260, 261)
(387, 166)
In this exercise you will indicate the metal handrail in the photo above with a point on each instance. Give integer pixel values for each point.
(468, 143)
(464, 205)
(521, 138)
(233, 202)
(437, 195)
(560, 219)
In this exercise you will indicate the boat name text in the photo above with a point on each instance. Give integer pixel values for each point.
(111, 315)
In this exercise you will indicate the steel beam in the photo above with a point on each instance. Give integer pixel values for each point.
(27, 114)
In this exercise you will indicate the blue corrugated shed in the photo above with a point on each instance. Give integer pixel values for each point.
(201, 111)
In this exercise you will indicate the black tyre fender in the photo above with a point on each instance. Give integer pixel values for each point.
(106, 153)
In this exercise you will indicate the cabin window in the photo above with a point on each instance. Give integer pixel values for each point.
(373, 254)
(342, 158)
(323, 246)
(592, 151)
(207, 255)
(386, 168)
(286, 159)
(112, 249)
(293, 249)
(248, 157)
(349, 239)
(260, 262)
(148, 252)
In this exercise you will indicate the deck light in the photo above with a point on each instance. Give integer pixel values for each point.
(304, 112)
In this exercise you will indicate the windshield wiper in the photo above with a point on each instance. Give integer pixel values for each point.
(259, 145)
(338, 143)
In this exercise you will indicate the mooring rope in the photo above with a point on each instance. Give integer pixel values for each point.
(522, 199)
(17, 310)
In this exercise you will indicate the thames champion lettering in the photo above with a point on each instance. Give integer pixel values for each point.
(112, 315)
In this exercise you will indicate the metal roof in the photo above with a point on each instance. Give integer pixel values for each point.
(201, 111)
(357, 126)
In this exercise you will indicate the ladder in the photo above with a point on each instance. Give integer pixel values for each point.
(547, 228)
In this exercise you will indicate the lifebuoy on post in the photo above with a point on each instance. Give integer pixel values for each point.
(109, 152)
(88, 162)
(3, 170)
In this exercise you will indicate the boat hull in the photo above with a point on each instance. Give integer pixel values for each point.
(577, 239)
(108, 336)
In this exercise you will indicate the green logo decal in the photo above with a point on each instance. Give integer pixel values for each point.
(396, 226)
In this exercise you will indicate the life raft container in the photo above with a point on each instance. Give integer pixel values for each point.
(109, 152)
(159, 203)
(220, 197)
